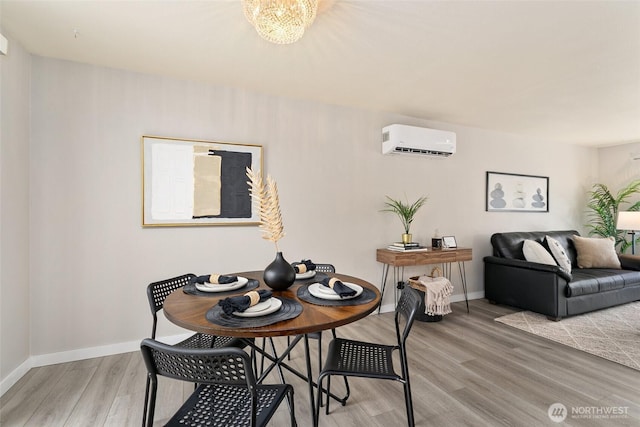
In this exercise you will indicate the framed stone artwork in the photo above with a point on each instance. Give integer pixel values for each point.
(510, 192)
(189, 182)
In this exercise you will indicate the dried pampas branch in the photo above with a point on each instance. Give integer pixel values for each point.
(265, 198)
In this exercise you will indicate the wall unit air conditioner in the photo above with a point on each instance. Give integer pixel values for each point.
(403, 139)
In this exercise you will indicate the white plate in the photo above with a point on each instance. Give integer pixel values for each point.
(212, 287)
(259, 307)
(306, 275)
(274, 305)
(326, 290)
(316, 290)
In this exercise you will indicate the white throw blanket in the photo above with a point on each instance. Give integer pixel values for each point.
(436, 296)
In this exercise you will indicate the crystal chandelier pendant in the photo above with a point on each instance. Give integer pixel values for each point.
(280, 21)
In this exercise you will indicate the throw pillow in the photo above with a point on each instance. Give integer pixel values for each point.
(594, 252)
(535, 252)
(558, 252)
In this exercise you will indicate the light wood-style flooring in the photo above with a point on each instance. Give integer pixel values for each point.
(465, 371)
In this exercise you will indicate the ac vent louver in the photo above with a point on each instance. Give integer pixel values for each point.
(418, 151)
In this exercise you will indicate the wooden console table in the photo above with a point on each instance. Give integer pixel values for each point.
(401, 259)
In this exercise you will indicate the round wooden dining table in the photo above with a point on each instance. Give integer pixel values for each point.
(189, 311)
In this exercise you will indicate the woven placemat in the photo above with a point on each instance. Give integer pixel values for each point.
(365, 297)
(190, 288)
(290, 310)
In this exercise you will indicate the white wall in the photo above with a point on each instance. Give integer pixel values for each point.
(91, 259)
(15, 73)
(74, 275)
(616, 166)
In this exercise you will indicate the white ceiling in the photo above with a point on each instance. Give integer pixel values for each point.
(566, 71)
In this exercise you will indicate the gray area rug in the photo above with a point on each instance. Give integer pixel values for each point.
(612, 334)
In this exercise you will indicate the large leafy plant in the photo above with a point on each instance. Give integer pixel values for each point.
(603, 211)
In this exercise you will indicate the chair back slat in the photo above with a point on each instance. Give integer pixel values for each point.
(407, 308)
(228, 365)
(157, 292)
(325, 268)
(226, 392)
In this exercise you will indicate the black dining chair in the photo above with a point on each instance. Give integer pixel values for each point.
(321, 268)
(157, 293)
(227, 393)
(325, 268)
(351, 358)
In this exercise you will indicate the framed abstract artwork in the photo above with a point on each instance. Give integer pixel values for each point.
(188, 182)
(509, 192)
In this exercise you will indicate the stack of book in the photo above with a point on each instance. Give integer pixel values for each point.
(405, 247)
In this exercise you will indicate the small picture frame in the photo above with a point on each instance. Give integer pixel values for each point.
(449, 242)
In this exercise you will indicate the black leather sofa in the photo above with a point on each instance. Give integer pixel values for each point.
(511, 280)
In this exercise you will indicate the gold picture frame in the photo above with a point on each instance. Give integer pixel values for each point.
(193, 182)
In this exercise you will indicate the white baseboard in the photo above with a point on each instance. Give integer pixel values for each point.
(75, 355)
(100, 351)
(83, 353)
(15, 375)
(126, 347)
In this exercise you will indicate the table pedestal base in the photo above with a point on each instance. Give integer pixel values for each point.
(277, 362)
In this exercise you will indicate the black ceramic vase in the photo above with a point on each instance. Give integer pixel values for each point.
(279, 275)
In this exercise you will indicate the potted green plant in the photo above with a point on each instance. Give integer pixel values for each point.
(406, 212)
(604, 207)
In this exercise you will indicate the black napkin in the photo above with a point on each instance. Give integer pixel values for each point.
(303, 266)
(241, 303)
(216, 279)
(338, 287)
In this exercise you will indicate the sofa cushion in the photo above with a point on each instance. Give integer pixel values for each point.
(591, 281)
(559, 253)
(594, 252)
(509, 245)
(535, 252)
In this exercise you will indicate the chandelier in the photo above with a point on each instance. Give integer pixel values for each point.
(280, 21)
